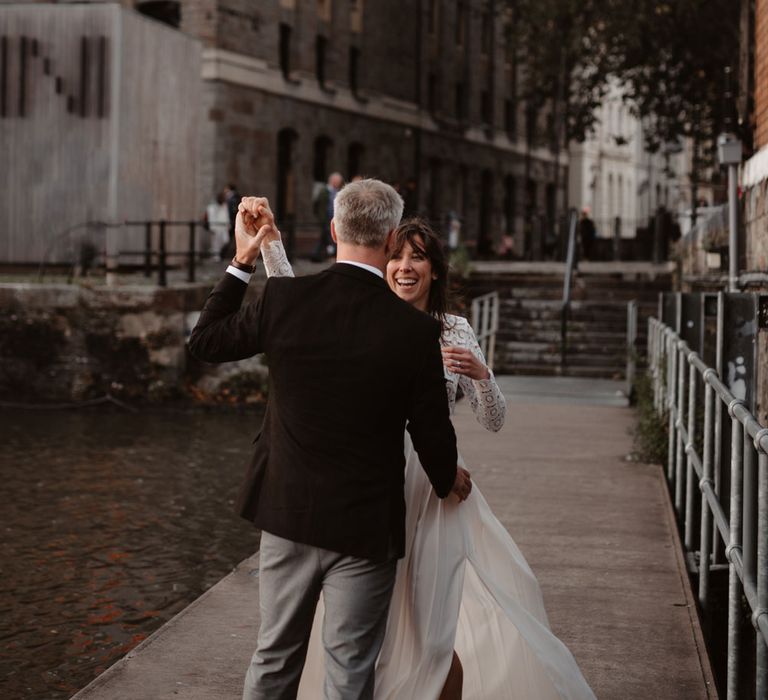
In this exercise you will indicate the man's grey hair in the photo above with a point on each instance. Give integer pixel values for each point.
(364, 212)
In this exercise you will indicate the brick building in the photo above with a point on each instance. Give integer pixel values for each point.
(421, 93)
(754, 113)
(416, 93)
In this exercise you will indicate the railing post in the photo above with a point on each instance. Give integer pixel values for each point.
(749, 507)
(671, 405)
(192, 252)
(631, 339)
(733, 550)
(494, 329)
(162, 277)
(148, 249)
(718, 545)
(680, 452)
(689, 450)
(762, 574)
(706, 516)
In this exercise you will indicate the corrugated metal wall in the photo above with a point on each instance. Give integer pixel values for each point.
(99, 113)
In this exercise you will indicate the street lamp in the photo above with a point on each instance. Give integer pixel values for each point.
(729, 153)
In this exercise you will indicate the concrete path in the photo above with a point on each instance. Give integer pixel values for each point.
(597, 530)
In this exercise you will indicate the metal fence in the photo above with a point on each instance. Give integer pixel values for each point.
(700, 480)
(485, 322)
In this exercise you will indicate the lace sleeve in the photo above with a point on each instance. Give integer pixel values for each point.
(275, 260)
(484, 395)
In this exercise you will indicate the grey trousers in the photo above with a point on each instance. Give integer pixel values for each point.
(356, 593)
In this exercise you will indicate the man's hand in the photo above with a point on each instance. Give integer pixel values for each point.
(254, 225)
(462, 487)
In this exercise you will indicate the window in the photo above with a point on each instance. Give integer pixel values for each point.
(531, 117)
(285, 209)
(23, 77)
(3, 76)
(356, 16)
(432, 93)
(434, 189)
(320, 167)
(486, 107)
(324, 10)
(486, 37)
(433, 17)
(461, 23)
(485, 234)
(354, 69)
(550, 128)
(509, 203)
(460, 102)
(285, 50)
(510, 116)
(355, 154)
(321, 51)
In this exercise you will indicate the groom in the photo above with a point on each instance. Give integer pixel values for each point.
(350, 364)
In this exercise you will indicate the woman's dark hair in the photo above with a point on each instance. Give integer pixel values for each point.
(420, 235)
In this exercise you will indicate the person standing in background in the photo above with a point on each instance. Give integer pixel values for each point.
(322, 206)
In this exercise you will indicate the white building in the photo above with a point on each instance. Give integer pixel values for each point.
(613, 175)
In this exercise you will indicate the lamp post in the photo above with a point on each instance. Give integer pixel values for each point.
(729, 153)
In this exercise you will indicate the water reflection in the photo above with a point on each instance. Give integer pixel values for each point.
(112, 523)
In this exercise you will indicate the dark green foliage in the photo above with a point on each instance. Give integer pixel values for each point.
(651, 435)
(669, 57)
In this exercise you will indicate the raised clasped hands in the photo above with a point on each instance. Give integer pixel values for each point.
(462, 486)
(254, 226)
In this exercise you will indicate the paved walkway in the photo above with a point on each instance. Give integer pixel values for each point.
(597, 530)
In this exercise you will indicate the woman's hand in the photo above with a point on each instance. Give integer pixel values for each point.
(463, 361)
(254, 226)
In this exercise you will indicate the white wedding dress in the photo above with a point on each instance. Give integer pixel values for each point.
(463, 583)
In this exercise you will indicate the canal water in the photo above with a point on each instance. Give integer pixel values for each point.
(112, 522)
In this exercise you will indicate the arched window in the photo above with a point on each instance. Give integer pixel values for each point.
(509, 204)
(355, 154)
(320, 167)
(285, 208)
(485, 234)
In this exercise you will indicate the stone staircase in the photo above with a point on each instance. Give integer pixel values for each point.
(530, 294)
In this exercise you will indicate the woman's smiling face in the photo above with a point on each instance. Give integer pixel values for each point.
(409, 274)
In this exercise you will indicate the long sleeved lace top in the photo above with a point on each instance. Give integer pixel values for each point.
(484, 395)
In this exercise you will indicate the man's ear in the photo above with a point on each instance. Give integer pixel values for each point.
(388, 246)
(333, 232)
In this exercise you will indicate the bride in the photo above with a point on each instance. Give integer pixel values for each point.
(467, 617)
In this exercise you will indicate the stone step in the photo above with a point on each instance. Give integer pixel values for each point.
(556, 293)
(603, 340)
(547, 357)
(555, 370)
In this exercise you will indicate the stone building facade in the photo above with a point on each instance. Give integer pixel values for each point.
(417, 93)
(422, 93)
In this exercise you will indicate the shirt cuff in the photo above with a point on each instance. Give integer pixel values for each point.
(244, 276)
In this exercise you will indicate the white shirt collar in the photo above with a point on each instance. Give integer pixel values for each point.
(370, 268)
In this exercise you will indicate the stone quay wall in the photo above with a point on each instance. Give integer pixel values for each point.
(71, 343)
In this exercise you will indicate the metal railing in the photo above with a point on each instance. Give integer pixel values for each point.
(695, 473)
(485, 322)
(632, 318)
(160, 253)
(570, 262)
